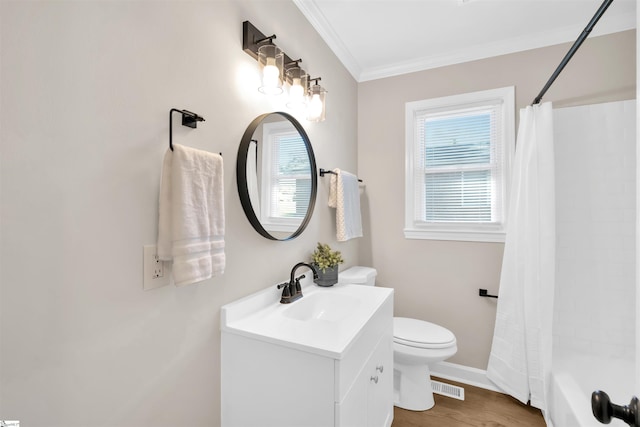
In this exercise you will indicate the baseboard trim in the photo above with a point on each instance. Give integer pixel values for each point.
(463, 374)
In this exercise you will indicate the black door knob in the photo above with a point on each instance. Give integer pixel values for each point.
(605, 411)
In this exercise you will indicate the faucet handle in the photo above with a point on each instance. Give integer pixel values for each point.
(282, 285)
(286, 292)
(298, 287)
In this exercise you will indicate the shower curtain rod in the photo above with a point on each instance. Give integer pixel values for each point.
(574, 48)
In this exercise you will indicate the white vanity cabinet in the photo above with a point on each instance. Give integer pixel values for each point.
(270, 383)
(369, 401)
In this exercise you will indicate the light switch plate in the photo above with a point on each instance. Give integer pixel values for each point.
(156, 273)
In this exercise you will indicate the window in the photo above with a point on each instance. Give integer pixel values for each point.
(287, 171)
(458, 150)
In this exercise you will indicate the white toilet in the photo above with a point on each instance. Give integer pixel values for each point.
(416, 345)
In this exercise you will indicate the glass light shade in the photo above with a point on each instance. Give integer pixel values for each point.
(316, 104)
(297, 79)
(271, 60)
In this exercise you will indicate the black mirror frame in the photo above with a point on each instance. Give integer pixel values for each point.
(241, 176)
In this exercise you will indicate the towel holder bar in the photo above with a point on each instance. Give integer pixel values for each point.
(189, 119)
(323, 172)
(483, 293)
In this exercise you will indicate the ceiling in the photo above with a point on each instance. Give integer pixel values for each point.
(381, 38)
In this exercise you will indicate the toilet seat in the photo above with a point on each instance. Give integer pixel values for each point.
(420, 334)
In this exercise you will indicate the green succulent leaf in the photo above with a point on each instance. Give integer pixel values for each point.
(323, 257)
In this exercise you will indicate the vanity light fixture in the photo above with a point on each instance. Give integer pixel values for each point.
(316, 102)
(277, 68)
(271, 60)
(297, 79)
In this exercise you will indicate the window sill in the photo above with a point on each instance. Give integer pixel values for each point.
(491, 236)
(286, 227)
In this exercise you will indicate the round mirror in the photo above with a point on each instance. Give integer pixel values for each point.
(277, 177)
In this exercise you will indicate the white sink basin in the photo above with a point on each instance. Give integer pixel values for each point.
(324, 321)
(327, 307)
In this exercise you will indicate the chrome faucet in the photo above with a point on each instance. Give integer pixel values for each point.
(292, 290)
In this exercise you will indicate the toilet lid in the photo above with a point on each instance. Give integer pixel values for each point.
(418, 333)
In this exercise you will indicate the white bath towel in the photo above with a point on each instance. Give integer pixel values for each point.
(191, 220)
(344, 195)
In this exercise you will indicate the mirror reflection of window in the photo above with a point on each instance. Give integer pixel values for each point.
(277, 176)
(252, 175)
(286, 167)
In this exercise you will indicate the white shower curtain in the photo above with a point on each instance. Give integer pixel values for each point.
(520, 359)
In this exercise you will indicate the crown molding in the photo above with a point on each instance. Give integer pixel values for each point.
(519, 44)
(613, 24)
(318, 21)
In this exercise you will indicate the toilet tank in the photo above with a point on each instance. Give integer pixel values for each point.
(358, 275)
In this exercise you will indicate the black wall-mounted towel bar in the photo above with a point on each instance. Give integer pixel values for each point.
(483, 293)
(323, 172)
(188, 119)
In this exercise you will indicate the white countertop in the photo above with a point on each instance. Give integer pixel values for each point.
(325, 321)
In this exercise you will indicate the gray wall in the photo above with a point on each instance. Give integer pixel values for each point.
(438, 280)
(86, 91)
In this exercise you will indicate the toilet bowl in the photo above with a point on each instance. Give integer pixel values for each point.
(416, 345)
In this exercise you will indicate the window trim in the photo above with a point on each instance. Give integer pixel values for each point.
(474, 232)
(271, 131)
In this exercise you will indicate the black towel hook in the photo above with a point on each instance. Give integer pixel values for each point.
(189, 119)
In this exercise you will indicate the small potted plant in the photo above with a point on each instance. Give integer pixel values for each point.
(326, 263)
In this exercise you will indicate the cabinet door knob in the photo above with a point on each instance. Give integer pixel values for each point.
(375, 379)
(380, 368)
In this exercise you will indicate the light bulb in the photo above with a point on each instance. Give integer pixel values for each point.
(270, 77)
(270, 57)
(296, 94)
(315, 106)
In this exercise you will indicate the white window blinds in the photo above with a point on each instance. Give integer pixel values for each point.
(290, 176)
(458, 151)
(459, 166)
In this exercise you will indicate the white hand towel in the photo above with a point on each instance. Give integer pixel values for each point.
(344, 195)
(191, 220)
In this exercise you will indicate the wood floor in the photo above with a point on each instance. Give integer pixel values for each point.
(481, 408)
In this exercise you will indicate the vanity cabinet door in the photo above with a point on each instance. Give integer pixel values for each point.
(380, 386)
(369, 401)
(267, 385)
(352, 411)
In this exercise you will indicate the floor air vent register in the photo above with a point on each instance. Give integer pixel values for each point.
(447, 390)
